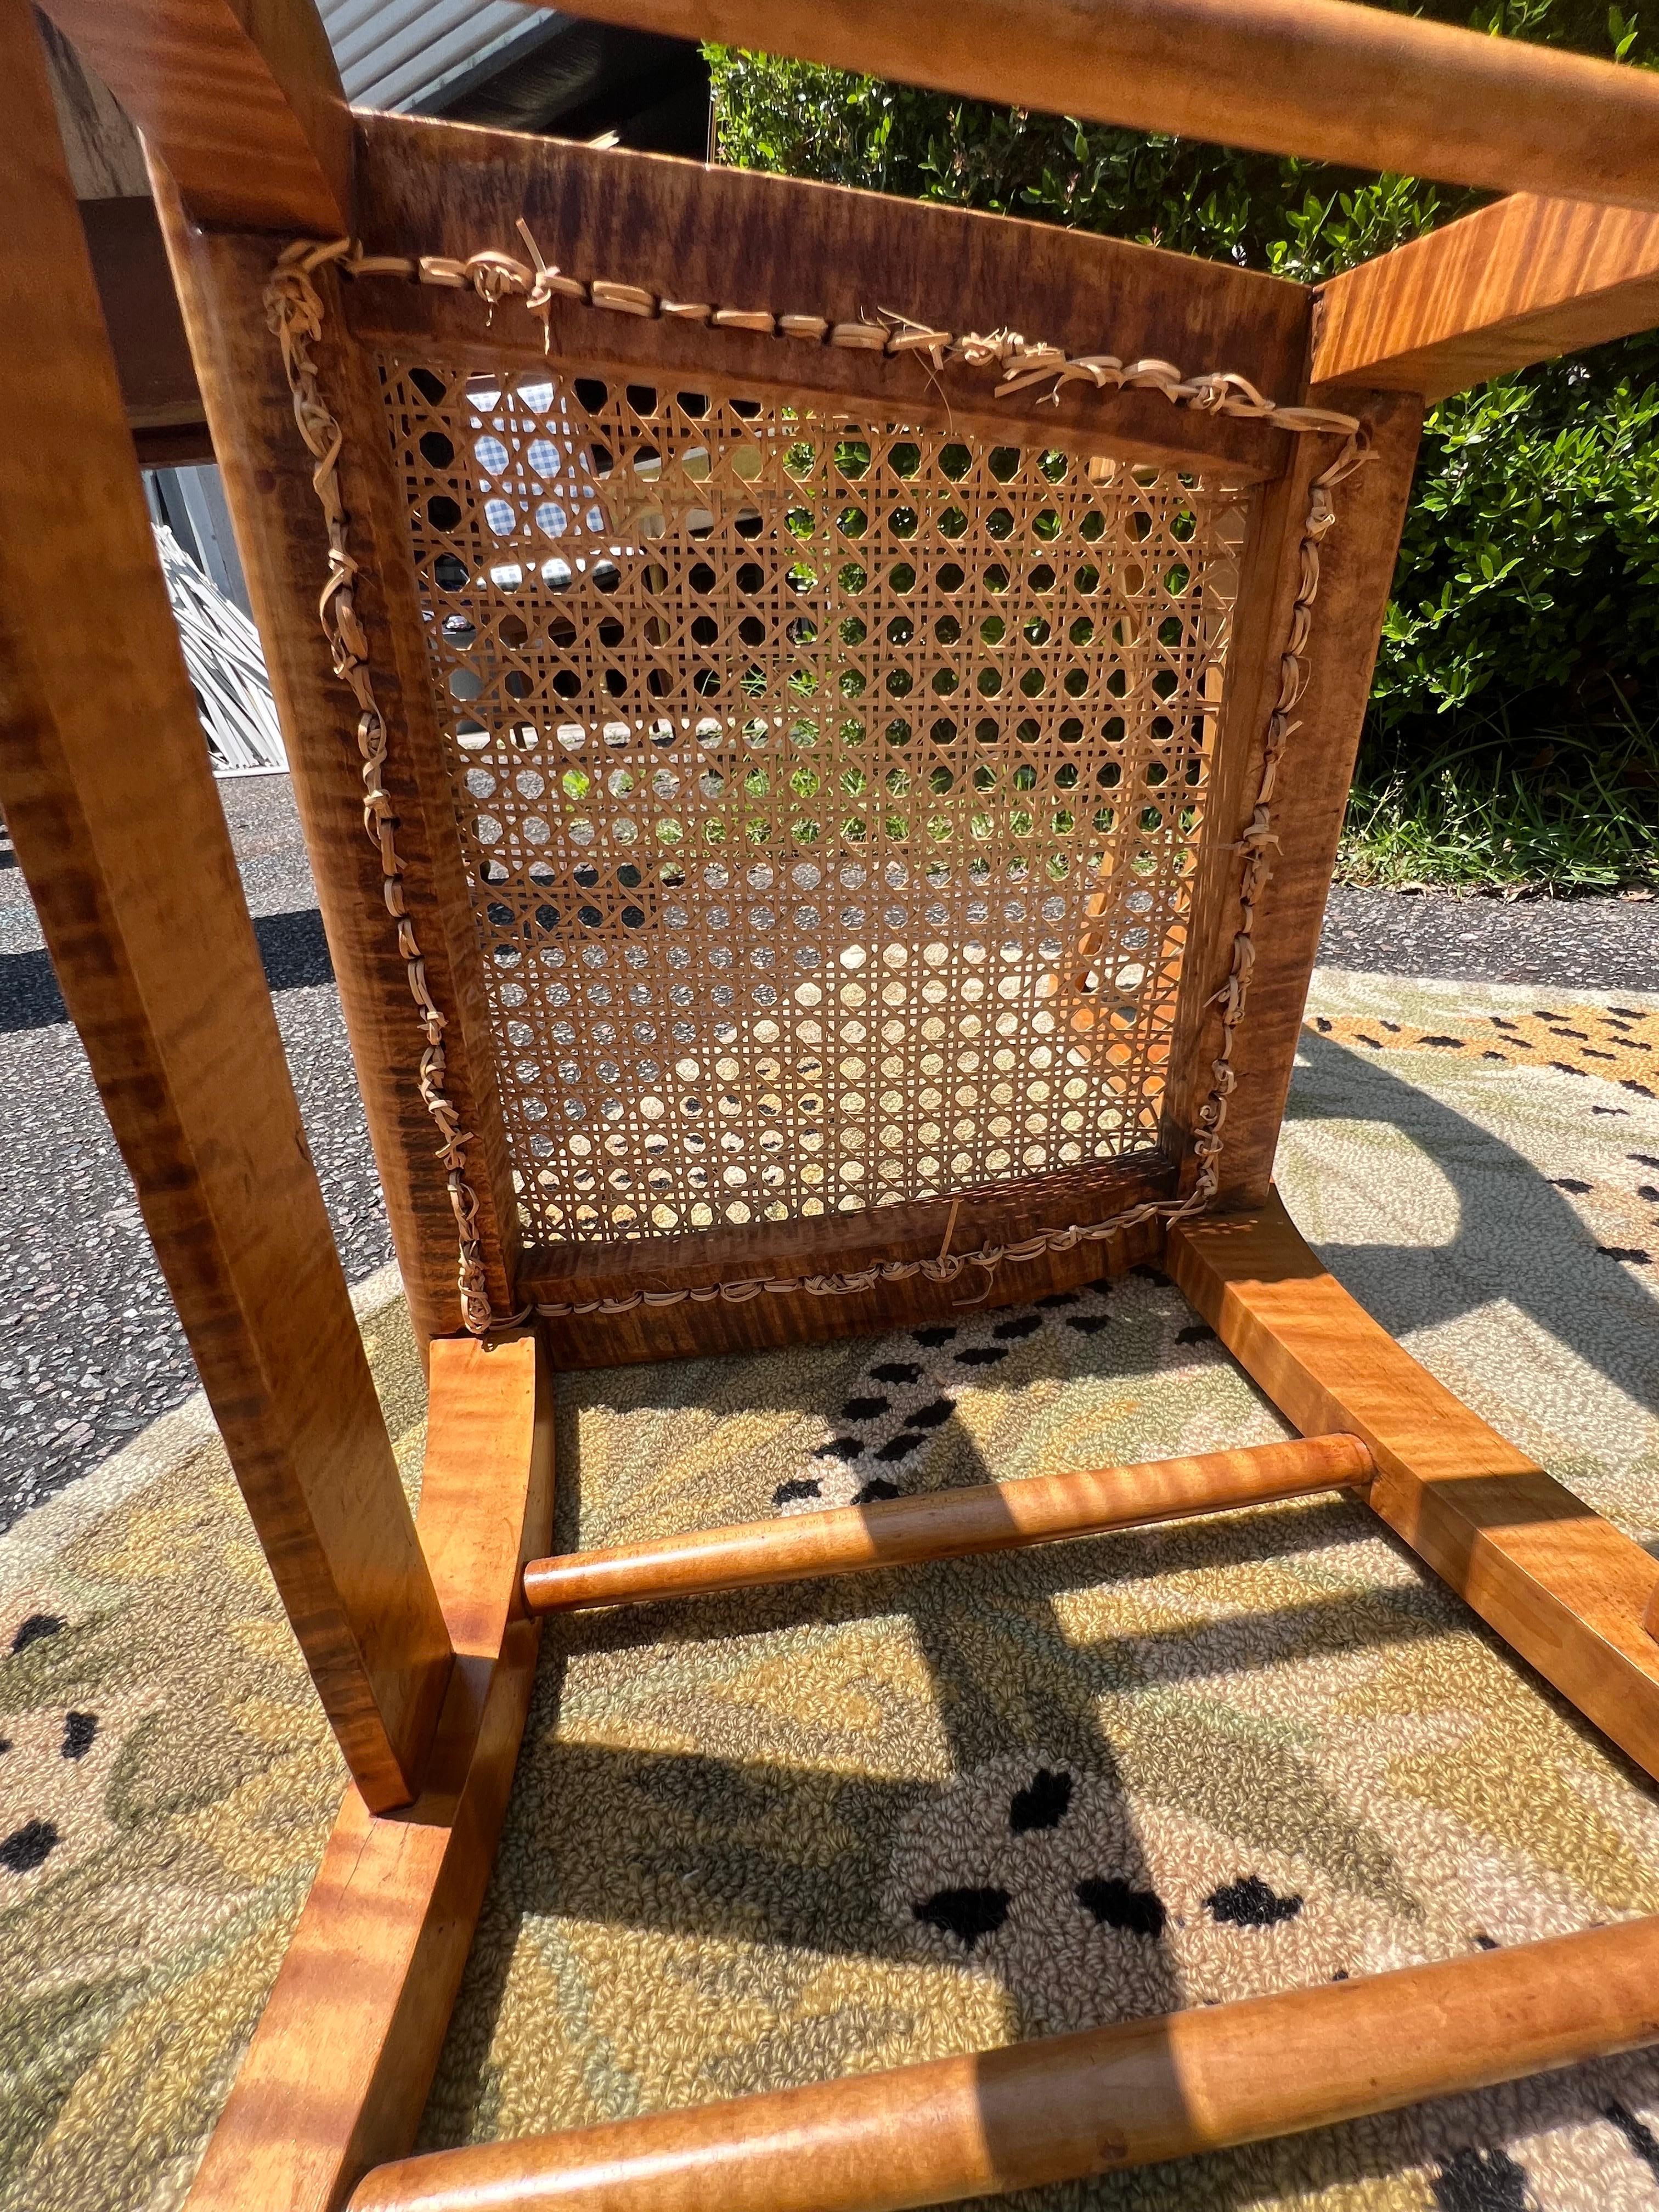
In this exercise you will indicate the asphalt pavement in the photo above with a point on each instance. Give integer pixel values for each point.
(1594, 943)
(90, 1348)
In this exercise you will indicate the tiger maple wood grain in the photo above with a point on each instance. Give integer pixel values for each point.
(221, 279)
(341, 2062)
(1517, 282)
(240, 99)
(943, 1524)
(240, 96)
(1356, 562)
(1321, 78)
(791, 246)
(1564, 1587)
(110, 803)
(837, 1243)
(1072, 2106)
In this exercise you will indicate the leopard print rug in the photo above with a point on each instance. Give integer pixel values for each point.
(839, 1826)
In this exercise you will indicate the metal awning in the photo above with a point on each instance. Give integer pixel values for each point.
(406, 53)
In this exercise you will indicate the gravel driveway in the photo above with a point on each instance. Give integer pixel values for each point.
(91, 1350)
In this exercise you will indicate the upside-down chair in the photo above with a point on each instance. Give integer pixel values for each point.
(852, 705)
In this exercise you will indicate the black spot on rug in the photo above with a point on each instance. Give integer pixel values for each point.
(1115, 1905)
(37, 1626)
(79, 1731)
(966, 1914)
(28, 1847)
(898, 1446)
(1248, 1902)
(1041, 1804)
(1481, 2181)
(1638, 2134)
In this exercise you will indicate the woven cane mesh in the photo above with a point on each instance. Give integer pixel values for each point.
(829, 794)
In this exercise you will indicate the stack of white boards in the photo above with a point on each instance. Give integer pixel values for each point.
(227, 668)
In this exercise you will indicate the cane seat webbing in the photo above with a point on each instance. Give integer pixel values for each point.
(829, 791)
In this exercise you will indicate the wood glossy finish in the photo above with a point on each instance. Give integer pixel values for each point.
(1269, 576)
(835, 1243)
(239, 100)
(340, 2065)
(111, 807)
(1335, 82)
(1079, 2105)
(1357, 564)
(1517, 282)
(146, 333)
(946, 1524)
(105, 160)
(284, 552)
(129, 262)
(126, 852)
(746, 240)
(451, 190)
(1561, 1585)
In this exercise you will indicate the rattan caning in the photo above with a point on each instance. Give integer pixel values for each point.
(829, 791)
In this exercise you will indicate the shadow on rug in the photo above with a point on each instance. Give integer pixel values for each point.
(839, 1826)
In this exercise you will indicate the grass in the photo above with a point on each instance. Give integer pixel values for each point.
(1562, 811)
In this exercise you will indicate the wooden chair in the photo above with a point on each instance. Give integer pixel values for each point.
(850, 796)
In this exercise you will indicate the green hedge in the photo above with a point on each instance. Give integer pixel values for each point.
(1516, 700)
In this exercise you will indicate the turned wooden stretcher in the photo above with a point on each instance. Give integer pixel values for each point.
(852, 704)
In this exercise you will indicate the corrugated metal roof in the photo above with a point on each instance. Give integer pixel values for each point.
(403, 53)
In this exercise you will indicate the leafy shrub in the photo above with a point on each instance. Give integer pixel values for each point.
(1525, 618)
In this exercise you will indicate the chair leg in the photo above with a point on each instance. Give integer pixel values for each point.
(339, 2071)
(1564, 1588)
(339, 2067)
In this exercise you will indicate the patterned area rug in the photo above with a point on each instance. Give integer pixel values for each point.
(845, 1824)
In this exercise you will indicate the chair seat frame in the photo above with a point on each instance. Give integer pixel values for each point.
(422, 1633)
